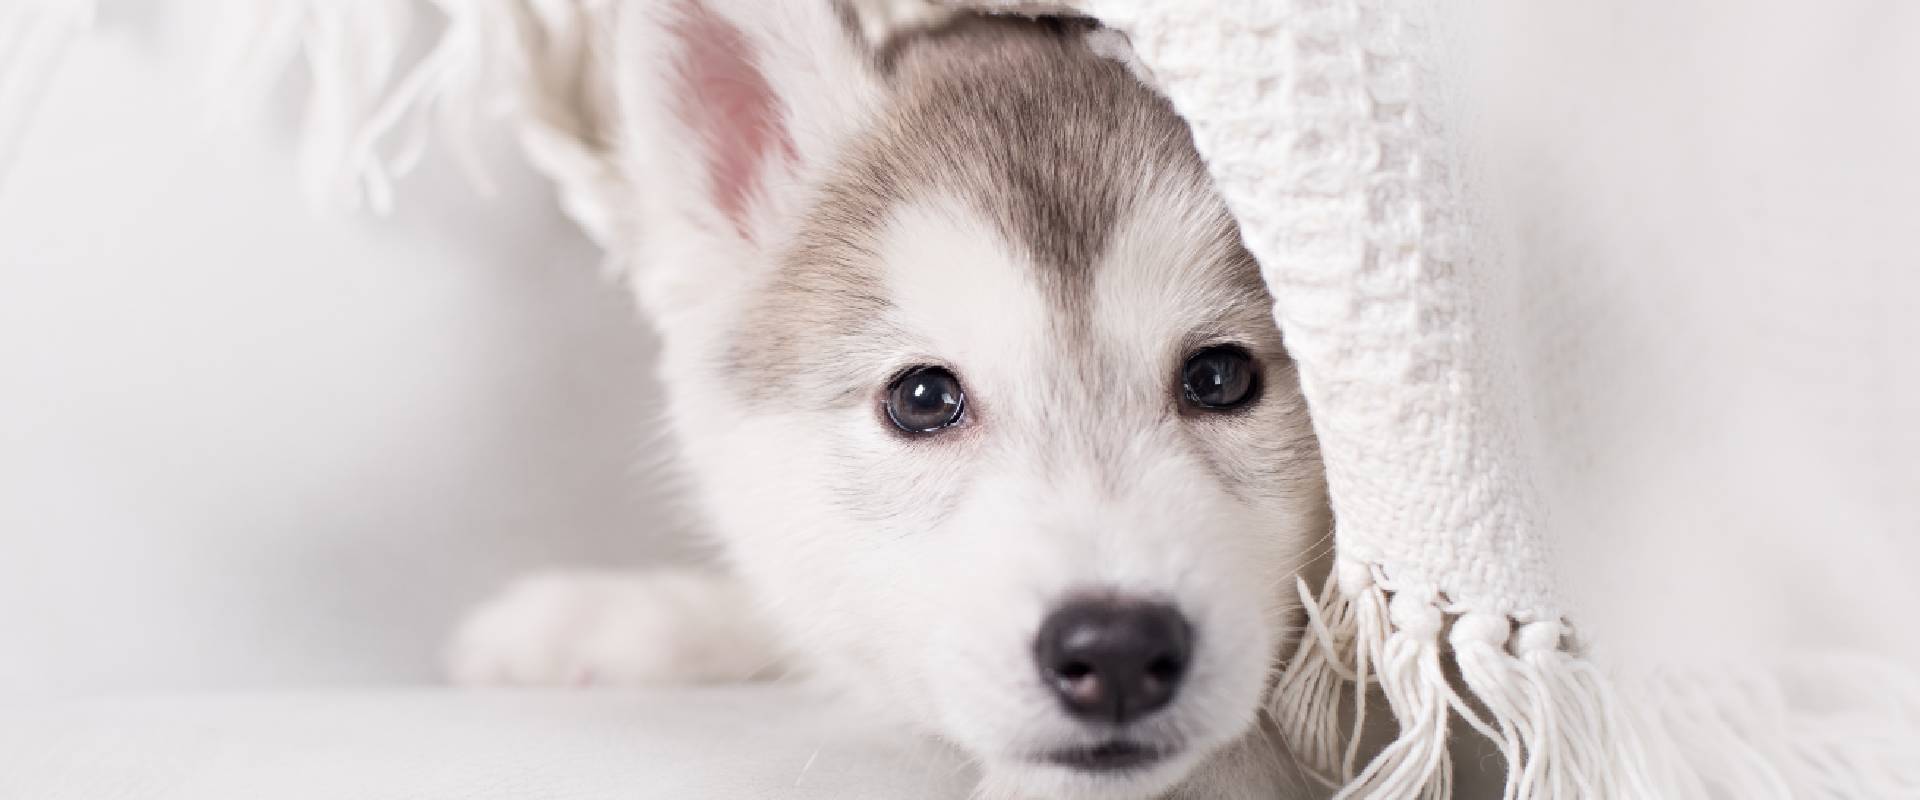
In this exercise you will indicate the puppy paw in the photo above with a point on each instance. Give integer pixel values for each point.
(640, 629)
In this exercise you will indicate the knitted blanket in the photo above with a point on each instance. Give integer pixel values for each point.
(1327, 129)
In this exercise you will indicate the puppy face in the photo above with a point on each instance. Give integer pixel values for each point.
(978, 385)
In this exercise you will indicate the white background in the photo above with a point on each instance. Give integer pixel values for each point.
(242, 444)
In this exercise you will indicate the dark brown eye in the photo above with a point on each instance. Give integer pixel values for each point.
(924, 400)
(1220, 378)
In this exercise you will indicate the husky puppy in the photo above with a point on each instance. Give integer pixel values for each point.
(978, 390)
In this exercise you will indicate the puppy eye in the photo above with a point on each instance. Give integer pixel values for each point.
(924, 400)
(1220, 378)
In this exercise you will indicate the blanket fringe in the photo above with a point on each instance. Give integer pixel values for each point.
(1827, 727)
(377, 97)
(1553, 718)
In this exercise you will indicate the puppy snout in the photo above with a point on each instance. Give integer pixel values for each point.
(1113, 661)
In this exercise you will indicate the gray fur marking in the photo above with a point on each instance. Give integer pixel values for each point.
(1019, 119)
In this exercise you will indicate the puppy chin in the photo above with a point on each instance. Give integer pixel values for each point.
(1034, 779)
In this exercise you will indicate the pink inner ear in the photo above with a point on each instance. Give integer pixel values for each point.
(729, 106)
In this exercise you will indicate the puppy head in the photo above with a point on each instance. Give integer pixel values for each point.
(976, 381)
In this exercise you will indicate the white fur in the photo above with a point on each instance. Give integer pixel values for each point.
(914, 574)
(584, 628)
(944, 266)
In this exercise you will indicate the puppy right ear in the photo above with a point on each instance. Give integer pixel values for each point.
(728, 109)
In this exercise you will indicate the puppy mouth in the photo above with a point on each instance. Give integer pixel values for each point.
(1115, 755)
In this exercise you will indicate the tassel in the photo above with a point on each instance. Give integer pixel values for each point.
(375, 105)
(1306, 701)
(1415, 763)
(1556, 720)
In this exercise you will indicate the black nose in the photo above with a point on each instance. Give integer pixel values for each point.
(1113, 660)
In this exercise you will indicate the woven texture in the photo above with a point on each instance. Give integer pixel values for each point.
(1322, 141)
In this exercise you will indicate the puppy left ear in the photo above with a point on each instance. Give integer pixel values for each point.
(729, 110)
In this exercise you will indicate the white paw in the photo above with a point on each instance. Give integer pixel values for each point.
(635, 629)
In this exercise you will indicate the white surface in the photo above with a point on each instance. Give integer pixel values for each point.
(442, 745)
(242, 445)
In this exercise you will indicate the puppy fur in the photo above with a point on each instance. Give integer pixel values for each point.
(990, 196)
